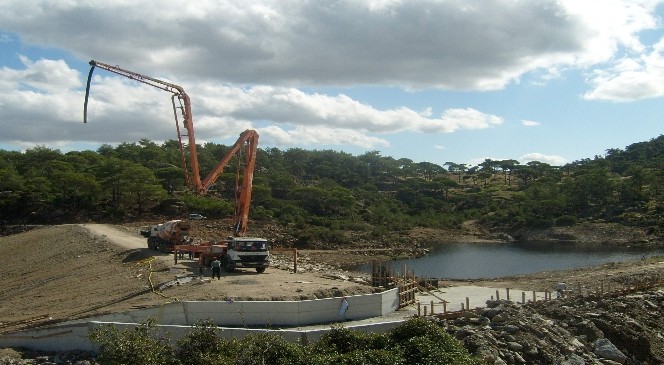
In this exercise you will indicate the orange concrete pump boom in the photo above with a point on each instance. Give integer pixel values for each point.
(248, 139)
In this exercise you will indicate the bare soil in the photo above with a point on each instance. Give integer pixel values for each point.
(58, 273)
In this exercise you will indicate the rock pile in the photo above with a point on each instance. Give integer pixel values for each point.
(617, 330)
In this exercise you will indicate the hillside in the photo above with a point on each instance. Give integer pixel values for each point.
(330, 199)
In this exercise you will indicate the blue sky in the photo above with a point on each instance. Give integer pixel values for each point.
(429, 80)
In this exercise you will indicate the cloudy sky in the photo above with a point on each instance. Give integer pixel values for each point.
(429, 80)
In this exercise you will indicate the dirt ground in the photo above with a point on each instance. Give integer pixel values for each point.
(57, 273)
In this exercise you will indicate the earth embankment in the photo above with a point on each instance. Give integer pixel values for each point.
(58, 273)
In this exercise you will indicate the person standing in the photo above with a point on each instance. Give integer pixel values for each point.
(216, 268)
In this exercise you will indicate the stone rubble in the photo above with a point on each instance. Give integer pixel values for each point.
(575, 331)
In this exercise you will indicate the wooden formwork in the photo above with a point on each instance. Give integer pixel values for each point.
(383, 275)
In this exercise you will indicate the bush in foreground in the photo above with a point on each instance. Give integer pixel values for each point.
(417, 341)
(139, 345)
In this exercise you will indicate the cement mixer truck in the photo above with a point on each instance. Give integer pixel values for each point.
(164, 237)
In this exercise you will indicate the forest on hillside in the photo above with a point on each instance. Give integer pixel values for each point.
(323, 194)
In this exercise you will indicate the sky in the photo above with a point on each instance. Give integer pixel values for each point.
(429, 80)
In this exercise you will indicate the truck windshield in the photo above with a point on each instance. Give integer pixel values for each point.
(251, 246)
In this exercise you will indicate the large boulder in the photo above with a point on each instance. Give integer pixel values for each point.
(605, 349)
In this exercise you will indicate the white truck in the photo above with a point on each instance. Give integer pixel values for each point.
(251, 252)
(234, 252)
(164, 237)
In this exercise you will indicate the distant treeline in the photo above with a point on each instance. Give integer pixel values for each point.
(322, 194)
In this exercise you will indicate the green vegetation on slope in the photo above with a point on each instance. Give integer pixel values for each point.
(321, 195)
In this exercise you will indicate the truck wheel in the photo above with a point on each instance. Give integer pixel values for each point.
(260, 270)
(229, 266)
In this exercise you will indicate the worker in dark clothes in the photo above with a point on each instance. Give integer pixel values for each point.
(216, 268)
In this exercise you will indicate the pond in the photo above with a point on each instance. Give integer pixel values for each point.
(493, 260)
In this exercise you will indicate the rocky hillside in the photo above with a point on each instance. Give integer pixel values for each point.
(626, 329)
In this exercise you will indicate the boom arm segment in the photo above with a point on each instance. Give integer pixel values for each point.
(193, 180)
(248, 139)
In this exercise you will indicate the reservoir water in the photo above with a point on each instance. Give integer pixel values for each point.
(493, 260)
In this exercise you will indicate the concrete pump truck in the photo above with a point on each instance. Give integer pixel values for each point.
(238, 250)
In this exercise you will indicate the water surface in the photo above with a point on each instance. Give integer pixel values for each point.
(492, 260)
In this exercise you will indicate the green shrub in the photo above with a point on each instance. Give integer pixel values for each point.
(267, 348)
(343, 340)
(417, 327)
(541, 223)
(308, 236)
(204, 346)
(566, 221)
(140, 345)
(209, 206)
(424, 342)
(417, 341)
(371, 357)
(341, 346)
(261, 213)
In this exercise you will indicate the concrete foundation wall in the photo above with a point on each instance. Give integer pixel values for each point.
(70, 337)
(176, 318)
(265, 313)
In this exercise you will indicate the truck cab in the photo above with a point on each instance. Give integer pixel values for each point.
(249, 252)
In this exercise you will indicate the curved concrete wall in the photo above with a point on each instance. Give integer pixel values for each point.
(176, 319)
(265, 313)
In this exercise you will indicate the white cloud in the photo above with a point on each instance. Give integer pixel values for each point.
(622, 67)
(121, 109)
(422, 44)
(455, 119)
(630, 78)
(5, 38)
(243, 63)
(43, 76)
(553, 160)
(610, 25)
(294, 107)
(320, 135)
(529, 123)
